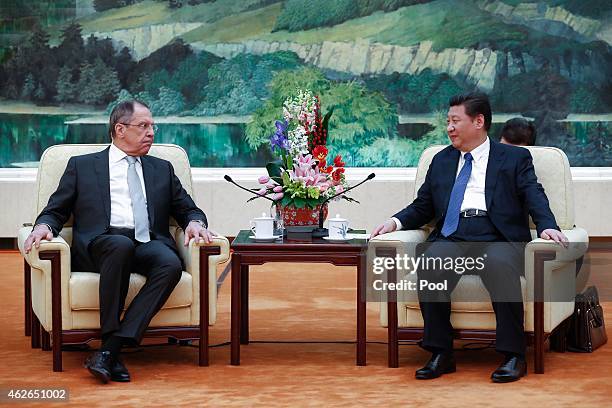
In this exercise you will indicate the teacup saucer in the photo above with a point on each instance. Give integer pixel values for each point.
(264, 239)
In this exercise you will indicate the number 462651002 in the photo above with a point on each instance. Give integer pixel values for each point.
(35, 394)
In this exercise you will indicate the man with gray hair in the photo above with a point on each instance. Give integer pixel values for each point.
(122, 200)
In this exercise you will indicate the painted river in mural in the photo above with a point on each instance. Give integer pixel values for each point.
(210, 142)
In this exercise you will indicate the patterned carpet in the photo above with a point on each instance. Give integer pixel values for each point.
(293, 303)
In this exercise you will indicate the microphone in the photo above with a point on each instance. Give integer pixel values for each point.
(322, 232)
(229, 179)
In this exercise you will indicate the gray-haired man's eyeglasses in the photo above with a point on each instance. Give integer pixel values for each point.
(142, 126)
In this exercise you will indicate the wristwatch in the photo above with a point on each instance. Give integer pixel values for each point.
(202, 224)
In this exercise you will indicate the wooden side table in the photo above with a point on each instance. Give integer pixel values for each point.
(248, 252)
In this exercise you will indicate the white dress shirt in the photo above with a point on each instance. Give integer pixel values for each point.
(121, 214)
(474, 196)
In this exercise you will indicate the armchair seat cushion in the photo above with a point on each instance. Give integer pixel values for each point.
(84, 291)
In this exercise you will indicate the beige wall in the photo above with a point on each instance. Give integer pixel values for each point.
(228, 212)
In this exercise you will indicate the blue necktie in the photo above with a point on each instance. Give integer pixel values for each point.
(451, 221)
(139, 206)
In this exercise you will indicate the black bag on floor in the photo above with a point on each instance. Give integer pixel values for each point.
(587, 330)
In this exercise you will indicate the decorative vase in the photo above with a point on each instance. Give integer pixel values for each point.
(302, 219)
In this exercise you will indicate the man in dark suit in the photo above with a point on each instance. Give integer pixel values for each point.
(480, 193)
(122, 200)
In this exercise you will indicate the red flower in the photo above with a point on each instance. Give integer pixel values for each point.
(337, 175)
(338, 161)
(322, 164)
(320, 152)
(327, 169)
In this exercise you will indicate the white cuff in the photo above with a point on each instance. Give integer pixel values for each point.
(42, 223)
(398, 224)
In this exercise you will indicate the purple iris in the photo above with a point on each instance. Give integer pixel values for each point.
(279, 138)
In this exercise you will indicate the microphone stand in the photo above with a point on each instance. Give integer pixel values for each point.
(229, 179)
(321, 232)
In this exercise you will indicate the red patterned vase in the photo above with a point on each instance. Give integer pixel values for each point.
(294, 217)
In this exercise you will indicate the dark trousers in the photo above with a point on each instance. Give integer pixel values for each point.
(116, 255)
(503, 262)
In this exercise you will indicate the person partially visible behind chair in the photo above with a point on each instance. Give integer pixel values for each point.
(122, 200)
(518, 132)
(521, 132)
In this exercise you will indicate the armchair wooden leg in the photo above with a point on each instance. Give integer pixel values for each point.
(392, 339)
(35, 331)
(204, 282)
(45, 340)
(27, 298)
(538, 308)
(393, 346)
(56, 306)
(57, 352)
(205, 252)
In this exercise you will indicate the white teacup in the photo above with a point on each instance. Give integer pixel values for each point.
(263, 226)
(338, 227)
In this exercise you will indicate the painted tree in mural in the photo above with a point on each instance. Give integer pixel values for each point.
(103, 5)
(305, 14)
(71, 50)
(66, 87)
(29, 74)
(419, 93)
(360, 116)
(98, 83)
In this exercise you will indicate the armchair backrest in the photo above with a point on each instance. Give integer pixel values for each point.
(553, 172)
(54, 160)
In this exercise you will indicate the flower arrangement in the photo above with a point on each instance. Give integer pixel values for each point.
(304, 176)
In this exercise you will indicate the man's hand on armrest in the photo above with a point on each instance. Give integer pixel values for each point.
(387, 226)
(556, 236)
(40, 232)
(197, 230)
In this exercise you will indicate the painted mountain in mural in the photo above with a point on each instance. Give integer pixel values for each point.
(385, 66)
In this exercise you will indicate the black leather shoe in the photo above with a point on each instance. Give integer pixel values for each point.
(99, 365)
(440, 363)
(512, 369)
(119, 372)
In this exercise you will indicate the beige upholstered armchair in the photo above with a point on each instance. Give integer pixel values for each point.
(62, 305)
(548, 269)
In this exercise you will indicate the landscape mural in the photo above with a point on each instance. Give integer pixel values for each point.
(215, 73)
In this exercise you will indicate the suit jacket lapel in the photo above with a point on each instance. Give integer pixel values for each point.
(103, 177)
(496, 160)
(450, 163)
(148, 173)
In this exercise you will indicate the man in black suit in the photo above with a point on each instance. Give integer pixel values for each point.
(122, 200)
(480, 194)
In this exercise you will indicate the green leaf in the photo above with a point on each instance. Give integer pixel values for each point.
(286, 200)
(285, 178)
(326, 118)
(274, 169)
(299, 202)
